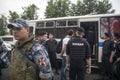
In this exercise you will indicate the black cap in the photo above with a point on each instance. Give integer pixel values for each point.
(117, 34)
(81, 29)
(107, 34)
(41, 33)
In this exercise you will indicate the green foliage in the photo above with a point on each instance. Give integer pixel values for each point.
(3, 23)
(104, 7)
(50, 9)
(30, 12)
(60, 8)
(57, 8)
(13, 15)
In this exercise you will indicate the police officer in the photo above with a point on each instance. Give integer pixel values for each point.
(116, 57)
(78, 56)
(106, 52)
(29, 60)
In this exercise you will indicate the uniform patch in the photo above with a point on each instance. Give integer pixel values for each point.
(78, 44)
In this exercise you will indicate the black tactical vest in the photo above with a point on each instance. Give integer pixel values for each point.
(77, 51)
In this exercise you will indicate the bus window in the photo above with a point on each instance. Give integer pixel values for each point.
(7, 38)
(72, 23)
(40, 24)
(49, 24)
(61, 23)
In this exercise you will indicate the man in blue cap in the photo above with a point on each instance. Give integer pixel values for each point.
(27, 54)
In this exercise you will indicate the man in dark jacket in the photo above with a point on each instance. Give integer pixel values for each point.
(115, 57)
(106, 52)
(51, 48)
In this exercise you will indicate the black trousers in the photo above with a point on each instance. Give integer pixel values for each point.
(76, 73)
(106, 68)
(116, 71)
(53, 60)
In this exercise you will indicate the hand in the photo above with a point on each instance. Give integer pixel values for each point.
(111, 60)
(61, 55)
(68, 66)
(118, 59)
(88, 70)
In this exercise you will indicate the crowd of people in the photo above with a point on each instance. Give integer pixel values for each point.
(31, 60)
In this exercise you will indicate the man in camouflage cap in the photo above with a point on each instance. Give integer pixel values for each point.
(29, 60)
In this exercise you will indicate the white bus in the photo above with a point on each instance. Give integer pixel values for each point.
(95, 26)
(9, 41)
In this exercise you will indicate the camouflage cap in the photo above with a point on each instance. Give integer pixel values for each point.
(18, 23)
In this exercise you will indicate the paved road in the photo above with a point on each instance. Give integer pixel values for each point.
(92, 76)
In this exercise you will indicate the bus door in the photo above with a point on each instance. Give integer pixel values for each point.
(91, 34)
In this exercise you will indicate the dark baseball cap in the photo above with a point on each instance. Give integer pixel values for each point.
(81, 29)
(107, 34)
(18, 23)
(117, 34)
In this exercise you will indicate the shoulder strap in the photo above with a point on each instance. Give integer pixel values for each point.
(25, 55)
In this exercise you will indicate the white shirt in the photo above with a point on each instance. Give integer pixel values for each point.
(65, 41)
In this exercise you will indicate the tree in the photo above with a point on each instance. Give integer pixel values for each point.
(57, 8)
(60, 8)
(72, 10)
(13, 15)
(77, 9)
(92, 7)
(30, 12)
(3, 23)
(103, 7)
(50, 9)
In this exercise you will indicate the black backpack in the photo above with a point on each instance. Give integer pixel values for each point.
(59, 46)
